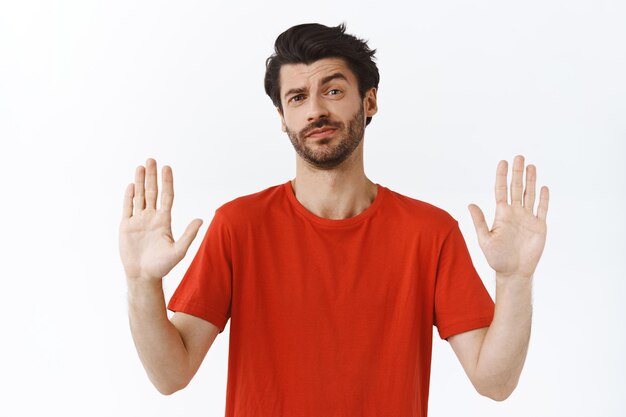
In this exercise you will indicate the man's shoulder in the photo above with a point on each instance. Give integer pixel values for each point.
(253, 204)
(419, 211)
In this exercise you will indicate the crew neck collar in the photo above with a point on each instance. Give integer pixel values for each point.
(368, 212)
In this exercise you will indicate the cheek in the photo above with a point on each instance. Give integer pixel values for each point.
(292, 123)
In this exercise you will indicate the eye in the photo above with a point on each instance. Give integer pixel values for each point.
(335, 89)
(295, 97)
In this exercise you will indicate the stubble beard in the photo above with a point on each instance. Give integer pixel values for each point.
(330, 156)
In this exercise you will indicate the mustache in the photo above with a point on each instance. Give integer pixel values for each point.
(319, 125)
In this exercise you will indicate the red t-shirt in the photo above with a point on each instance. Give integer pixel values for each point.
(332, 318)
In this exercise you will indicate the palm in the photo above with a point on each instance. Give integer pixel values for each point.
(517, 237)
(147, 246)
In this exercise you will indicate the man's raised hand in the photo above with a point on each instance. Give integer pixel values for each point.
(516, 240)
(147, 247)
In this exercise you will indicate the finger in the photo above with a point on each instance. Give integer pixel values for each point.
(185, 240)
(542, 208)
(151, 184)
(167, 192)
(516, 181)
(139, 201)
(529, 190)
(482, 230)
(501, 190)
(127, 209)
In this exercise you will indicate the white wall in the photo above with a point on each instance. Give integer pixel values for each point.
(90, 89)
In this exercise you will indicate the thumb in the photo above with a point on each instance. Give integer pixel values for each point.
(482, 230)
(183, 243)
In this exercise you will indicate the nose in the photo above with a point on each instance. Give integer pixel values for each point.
(317, 108)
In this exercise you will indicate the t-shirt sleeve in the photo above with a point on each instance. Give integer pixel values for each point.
(206, 288)
(462, 302)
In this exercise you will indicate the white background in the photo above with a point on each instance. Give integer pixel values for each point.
(90, 89)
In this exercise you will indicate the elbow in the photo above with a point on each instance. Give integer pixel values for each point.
(169, 388)
(497, 392)
(495, 388)
(166, 390)
(496, 396)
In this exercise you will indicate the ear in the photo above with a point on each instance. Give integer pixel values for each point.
(282, 120)
(370, 104)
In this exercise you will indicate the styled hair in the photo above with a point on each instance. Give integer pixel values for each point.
(309, 42)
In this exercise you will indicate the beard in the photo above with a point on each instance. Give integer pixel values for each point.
(322, 155)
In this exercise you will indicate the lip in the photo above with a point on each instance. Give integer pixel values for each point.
(321, 133)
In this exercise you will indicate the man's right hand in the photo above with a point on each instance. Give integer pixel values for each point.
(147, 247)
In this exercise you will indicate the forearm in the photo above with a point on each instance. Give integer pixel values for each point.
(158, 342)
(504, 348)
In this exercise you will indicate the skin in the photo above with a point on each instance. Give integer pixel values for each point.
(331, 183)
(170, 350)
(493, 357)
(342, 190)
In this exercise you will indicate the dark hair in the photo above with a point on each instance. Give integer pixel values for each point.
(310, 42)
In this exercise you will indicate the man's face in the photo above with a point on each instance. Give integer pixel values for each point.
(323, 95)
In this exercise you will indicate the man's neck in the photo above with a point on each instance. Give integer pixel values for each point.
(334, 194)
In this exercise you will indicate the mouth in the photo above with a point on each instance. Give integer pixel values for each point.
(321, 133)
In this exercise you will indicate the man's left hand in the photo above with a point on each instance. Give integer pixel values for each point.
(516, 240)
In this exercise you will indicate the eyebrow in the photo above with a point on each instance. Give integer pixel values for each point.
(325, 80)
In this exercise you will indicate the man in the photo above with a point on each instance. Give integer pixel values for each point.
(332, 283)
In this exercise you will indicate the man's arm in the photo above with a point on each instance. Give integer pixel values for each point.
(493, 357)
(170, 351)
